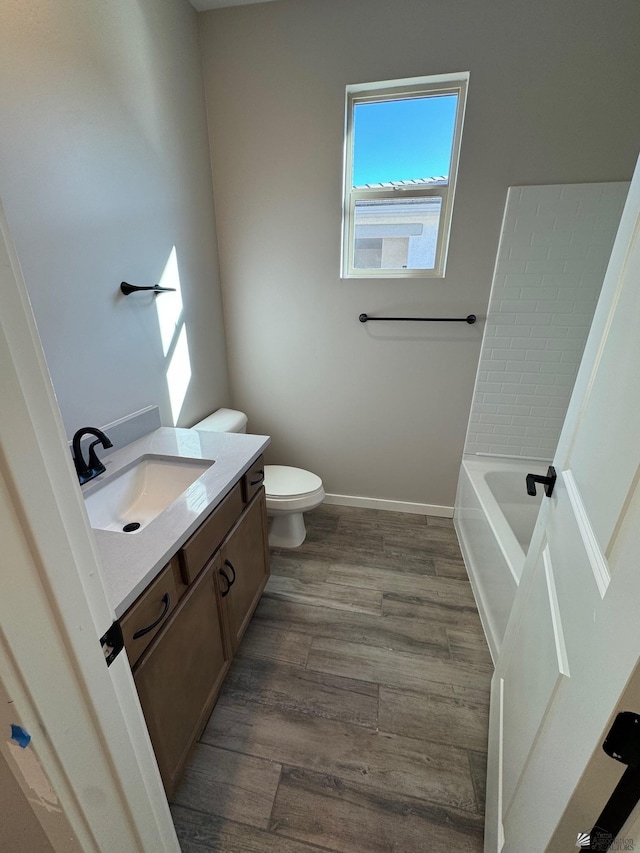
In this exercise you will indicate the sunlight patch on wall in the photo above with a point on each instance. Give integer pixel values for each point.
(173, 334)
(179, 374)
(169, 305)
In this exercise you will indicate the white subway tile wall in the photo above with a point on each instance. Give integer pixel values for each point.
(552, 257)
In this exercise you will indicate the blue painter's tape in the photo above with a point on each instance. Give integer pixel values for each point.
(21, 736)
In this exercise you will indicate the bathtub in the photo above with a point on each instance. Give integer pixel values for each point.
(494, 519)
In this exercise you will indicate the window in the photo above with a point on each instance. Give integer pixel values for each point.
(401, 159)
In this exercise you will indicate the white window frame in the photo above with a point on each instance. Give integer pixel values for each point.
(394, 90)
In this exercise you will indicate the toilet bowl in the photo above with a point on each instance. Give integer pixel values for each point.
(290, 492)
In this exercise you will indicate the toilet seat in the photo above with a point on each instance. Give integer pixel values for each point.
(291, 489)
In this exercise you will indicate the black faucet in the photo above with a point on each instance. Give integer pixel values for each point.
(88, 470)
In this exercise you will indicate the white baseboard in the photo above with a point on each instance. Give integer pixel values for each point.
(390, 506)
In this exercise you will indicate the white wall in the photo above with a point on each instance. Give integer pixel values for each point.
(104, 167)
(382, 411)
(554, 250)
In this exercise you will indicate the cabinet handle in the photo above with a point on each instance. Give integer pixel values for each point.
(230, 564)
(166, 600)
(228, 580)
(260, 479)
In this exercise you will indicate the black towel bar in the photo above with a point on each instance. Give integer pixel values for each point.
(470, 318)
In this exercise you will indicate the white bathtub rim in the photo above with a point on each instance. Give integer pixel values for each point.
(506, 539)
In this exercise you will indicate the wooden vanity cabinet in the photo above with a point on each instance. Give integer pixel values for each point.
(213, 585)
(244, 569)
(179, 677)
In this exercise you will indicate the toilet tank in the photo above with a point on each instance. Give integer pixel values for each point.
(223, 420)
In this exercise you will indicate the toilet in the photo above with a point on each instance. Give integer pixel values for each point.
(290, 492)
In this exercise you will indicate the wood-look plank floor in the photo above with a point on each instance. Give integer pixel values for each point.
(354, 718)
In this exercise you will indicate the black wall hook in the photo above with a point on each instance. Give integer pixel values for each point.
(133, 288)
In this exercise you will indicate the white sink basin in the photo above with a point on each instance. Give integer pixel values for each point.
(133, 497)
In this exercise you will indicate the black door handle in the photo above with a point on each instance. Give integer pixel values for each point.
(548, 482)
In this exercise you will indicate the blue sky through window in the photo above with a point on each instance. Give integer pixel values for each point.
(403, 140)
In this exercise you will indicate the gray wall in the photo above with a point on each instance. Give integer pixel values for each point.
(104, 167)
(381, 411)
(20, 831)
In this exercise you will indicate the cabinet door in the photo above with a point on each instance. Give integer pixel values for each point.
(197, 551)
(245, 567)
(150, 613)
(179, 676)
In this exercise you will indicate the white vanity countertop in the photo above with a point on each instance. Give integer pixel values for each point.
(132, 560)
